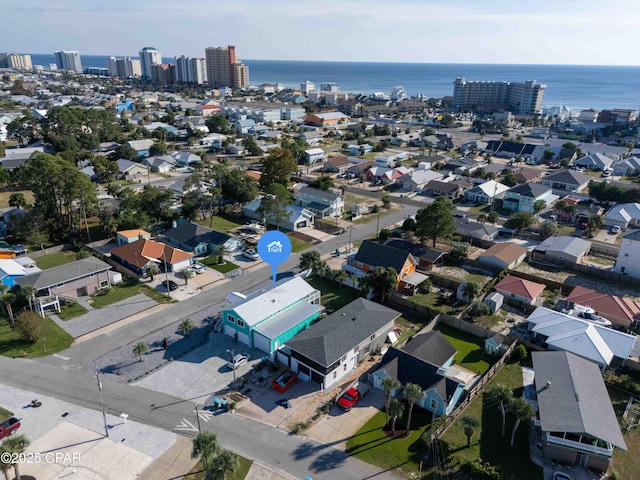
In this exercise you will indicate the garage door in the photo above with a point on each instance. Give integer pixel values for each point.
(243, 338)
(229, 330)
(261, 342)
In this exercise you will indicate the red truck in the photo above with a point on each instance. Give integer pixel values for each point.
(353, 395)
(9, 427)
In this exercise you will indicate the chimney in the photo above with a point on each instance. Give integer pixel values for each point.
(140, 236)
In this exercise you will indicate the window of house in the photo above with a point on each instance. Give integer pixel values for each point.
(372, 337)
(343, 359)
(240, 323)
(626, 254)
(345, 367)
(335, 374)
(434, 403)
(231, 319)
(367, 348)
(513, 295)
(104, 284)
(355, 350)
(359, 265)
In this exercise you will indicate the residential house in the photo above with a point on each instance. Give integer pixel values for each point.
(184, 158)
(201, 240)
(427, 361)
(138, 256)
(389, 159)
(13, 268)
(269, 318)
(313, 156)
(525, 175)
(297, 217)
(242, 126)
(520, 290)
(418, 180)
(486, 192)
(312, 138)
(141, 146)
(322, 203)
(628, 262)
(496, 169)
(595, 162)
(131, 170)
(427, 257)
(620, 311)
(503, 255)
(329, 351)
(562, 249)
(523, 197)
(494, 301)
(161, 164)
(568, 180)
(372, 254)
(436, 188)
(558, 331)
(328, 119)
(129, 236)
(337, 164)
(574, 411)
(627, 167)
(377, 173)
(207, 109)
(623, 215)
(469, 229)
(69, 281)
(358, 169)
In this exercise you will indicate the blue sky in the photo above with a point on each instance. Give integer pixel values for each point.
(440, 31)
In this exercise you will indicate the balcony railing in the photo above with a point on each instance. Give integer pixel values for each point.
(607, 452)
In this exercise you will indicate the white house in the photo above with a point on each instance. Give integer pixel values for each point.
(314, 155)
(322, 203)
(417, 180)
(486, 192)
(628, 262)
(569, 180)
(623, 215)
(390, 159)
(595, 161)
(628, 166)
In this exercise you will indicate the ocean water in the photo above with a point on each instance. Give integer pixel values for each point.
(574, 86)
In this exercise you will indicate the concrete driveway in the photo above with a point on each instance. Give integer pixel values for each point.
(606, 236)
(338, 426)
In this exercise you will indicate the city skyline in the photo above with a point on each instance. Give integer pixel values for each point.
(514, 32)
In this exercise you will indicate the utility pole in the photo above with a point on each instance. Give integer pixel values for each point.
(349, 249)
(166, 273)
(104, 414)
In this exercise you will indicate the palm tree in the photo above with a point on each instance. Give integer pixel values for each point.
(538, 206)
(411, 393)
(205, 446)
(469, 424)
(153, 270)
(503, 396)
(223, 463)
(395, 410)
(140, 349)
(5, 464)
(389, 384)
(470, 290)
(186, 326)
(340, 276)
(16, 444)
(482, 218)
(221, 251)
(17, 200)
(522, 411)
(187, 273)
(28, 291)
(7, 298)
(310, 261)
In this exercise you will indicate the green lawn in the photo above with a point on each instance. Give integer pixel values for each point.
(625, 463)
(432, 300)
(489, 445)
(333, 296)
(371, 443)
(221, 224)
(373, 216)
(470, 349)
(13, 345)
(55, 259)
(244, 465)
(4, 197)
(71, 310)
(298, 245)
(4, 414)
(212, 261)
(128, 288)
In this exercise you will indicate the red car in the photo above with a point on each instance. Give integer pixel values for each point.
(349, 398)
(9, 427)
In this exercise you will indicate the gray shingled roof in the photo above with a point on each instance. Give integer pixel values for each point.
(314, 192)
(532, 190)
(432, 347)
(64, 273)
(376, 254)
(328, 340)
(193, 234)
(568, 177)
(572, 397)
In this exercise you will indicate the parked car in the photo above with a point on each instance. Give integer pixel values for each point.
(606, 173)
(560, 476)
(615, 229)
(237, 361)
(251, 254)
(352, 396)
(198, 267)
(170, 285)
(9, 427)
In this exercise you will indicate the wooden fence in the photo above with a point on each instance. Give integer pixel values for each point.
(47, 251)
(473, 393)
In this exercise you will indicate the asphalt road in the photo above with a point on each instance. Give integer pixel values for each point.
(66, 376)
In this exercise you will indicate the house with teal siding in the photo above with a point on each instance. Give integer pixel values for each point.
(270, 317)
(427, 361)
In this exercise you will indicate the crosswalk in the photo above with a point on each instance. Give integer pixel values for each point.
(187, 426)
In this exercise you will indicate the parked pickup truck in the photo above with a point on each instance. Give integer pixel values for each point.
(353, 395)
(9, 427)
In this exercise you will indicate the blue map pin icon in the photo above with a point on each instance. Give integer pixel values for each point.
(274, 247)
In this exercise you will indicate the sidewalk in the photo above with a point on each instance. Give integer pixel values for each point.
(173, 464)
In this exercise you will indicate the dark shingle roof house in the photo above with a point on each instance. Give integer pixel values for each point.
(376, 254)
(432, 347)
